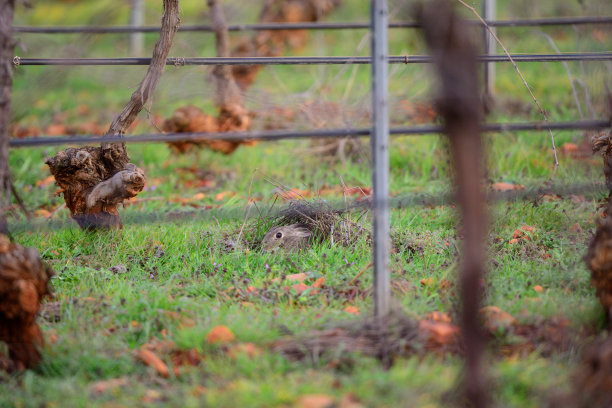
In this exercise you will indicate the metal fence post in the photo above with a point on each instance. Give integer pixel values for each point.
(136, 20)
(488, 13)
(380, 155)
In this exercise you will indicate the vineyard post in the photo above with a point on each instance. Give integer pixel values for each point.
(380, 155)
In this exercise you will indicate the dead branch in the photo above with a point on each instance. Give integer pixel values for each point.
(94, 181)
(449, 41)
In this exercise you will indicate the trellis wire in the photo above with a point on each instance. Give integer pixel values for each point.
(586, 190)
(395, 59)
(272, 135)
(306, 26)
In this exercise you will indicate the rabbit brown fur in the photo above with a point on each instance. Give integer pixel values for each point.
(287, 237)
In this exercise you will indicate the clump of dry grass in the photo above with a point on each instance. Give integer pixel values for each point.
(325, 222)
(335, 224)
(384, 339)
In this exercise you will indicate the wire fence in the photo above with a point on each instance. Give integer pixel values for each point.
(458, 128)
(275, 135)
(398, 59)
(586, 191)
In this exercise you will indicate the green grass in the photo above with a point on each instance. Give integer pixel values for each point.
(116, 313)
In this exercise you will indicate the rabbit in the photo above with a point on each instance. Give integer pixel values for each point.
(287, 237)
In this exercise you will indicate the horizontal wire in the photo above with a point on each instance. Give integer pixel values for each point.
(405, 59)
(303, 26)
(272, 135)
(591, 190)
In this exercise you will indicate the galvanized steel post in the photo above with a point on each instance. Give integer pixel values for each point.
(136, 20)
(380, 155)
(488, 13)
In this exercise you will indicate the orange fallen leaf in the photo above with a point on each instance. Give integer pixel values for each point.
(445, 284)
(300, 288)
(494, 318)
(358, 191)
(439, 317)
(522, 233)
(538, 288)
(319, 282)
(100, 387)
(352, 310)
(248, 349)
(294, 194)
(221, 196)
(438, 333)
(182, 358)
(299, 277)
(551, 197)
(315, 401)
(151, 359)
(220, 334)
(428, 281)
(569, 148)
(45, 182)
(56, 129)
(42, 213)
(52, 336)
(502, 187)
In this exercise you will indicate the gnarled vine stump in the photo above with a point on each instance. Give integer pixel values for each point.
(95, 180)
(599, 261)
(24, 281)
(232, 116)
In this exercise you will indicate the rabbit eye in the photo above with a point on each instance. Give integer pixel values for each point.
(279, 235)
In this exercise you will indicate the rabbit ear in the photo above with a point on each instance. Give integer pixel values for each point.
(302, 232)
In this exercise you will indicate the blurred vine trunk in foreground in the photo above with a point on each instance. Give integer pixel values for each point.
(449, 42)
(95, 180)
(7, 44)
(24, 278)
